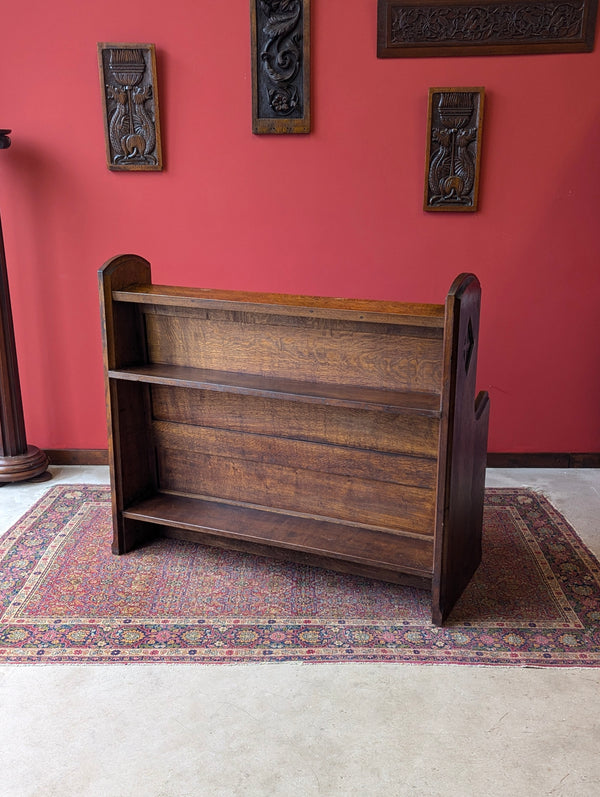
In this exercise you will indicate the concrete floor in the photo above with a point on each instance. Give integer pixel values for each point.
(293, 729)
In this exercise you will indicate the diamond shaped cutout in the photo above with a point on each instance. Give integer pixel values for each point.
(468, 346)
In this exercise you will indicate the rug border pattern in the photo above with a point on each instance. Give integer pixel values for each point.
(573, 643)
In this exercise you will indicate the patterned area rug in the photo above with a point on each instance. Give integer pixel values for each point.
(534, 601)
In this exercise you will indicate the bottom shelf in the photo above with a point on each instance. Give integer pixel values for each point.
(338, 546)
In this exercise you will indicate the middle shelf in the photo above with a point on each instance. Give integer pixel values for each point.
(352, 396)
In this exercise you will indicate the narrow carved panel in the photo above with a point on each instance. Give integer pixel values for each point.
(455, 27)
(130, 103)
(280, 66)
(453, 148)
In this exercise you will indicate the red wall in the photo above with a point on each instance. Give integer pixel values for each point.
(336, 212)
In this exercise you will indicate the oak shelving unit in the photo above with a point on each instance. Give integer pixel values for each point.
(338, 433)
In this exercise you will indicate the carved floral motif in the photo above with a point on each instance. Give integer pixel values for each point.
(425, 28)
(484, 23)
(454, 136)
(131, 107)
(281, 54)
(281, 65)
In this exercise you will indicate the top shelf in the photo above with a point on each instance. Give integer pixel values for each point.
(424, 315)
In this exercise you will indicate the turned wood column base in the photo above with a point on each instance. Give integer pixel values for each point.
(33, 464)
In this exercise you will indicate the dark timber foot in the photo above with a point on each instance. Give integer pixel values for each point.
(33, 464)
(133, 534)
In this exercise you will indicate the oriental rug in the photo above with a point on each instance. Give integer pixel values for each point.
(534, 601)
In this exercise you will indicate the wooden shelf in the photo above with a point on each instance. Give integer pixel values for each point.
(422, 315)
(351, 396)
(313, 536)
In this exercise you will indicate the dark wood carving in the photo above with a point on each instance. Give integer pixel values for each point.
(130, 103)
(454, 127)
(280, 66)
(459, 27)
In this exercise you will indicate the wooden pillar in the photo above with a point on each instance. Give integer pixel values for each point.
(18, 461)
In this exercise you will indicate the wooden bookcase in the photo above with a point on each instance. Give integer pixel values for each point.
(333, 432)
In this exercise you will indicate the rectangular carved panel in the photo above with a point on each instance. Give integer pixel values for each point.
(416, 28)
(280, 66)
(130, 104)
(454, 124)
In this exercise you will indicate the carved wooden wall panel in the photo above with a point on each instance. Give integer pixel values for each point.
(280, 66)
(488, 27)
(130, 103)
(454, 127)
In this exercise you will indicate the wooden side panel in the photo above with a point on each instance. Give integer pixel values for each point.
(131, 458)
(123, 339)
(134, 465)
(463, 445)
(308, 351)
